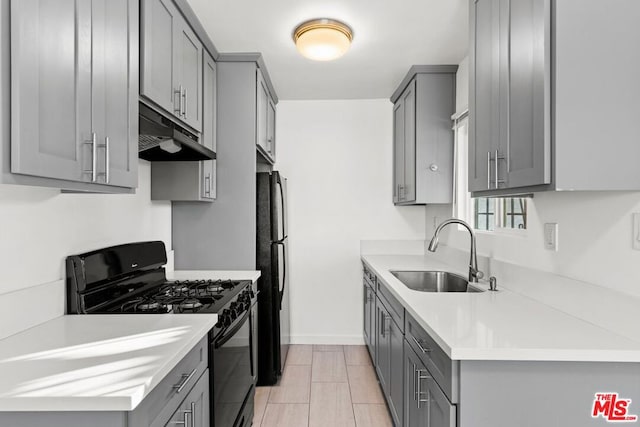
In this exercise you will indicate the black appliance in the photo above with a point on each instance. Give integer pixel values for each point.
(273, 301)
(131, 278)
(162, 140)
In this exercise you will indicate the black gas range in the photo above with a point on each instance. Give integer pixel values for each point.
(131, 279)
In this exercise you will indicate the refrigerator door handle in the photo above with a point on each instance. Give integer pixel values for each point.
(284, 266)
(282, 211)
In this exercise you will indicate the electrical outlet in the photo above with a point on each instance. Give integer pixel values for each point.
(636, 231)
(551, 236)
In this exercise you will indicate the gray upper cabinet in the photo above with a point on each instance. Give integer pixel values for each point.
(422, 136)
(161, 20)
(538, 121)
(265, 120)
(509, 100)
(171, 76)
(74, 93)
(189, 76)
(192, 181)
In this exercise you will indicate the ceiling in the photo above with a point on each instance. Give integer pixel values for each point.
(389, 37)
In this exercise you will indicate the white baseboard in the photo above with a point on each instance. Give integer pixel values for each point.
(328, 339)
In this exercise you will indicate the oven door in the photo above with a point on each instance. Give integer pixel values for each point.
(232, 376)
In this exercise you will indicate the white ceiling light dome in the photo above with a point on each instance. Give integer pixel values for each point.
(323, 39)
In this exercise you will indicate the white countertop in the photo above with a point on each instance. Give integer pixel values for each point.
(500, 325)
(94, 362)
(213, 275)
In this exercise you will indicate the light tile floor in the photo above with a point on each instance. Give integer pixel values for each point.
(323, 386)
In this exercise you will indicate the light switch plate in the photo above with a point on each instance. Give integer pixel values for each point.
(636, 231)
(551, 236)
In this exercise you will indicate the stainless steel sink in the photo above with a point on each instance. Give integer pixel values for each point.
(434, 281)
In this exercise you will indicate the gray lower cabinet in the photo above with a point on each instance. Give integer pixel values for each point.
(424, 402)
(192, 181)
(422, 136)
(194, 410)
(265, 120)
(389, 361)
(537, 120)
(369, 317)
(171, 75)
(74, 91)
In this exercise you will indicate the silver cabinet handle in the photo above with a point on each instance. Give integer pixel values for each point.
(107, 160)
(488, 170)
(184, 96)
(422, 349)
(497, 181)
(415, 388)
(387, 324)
(185, 379)
(94, 158)
(193, 414)
(422, 375)
(179, 93)
(207, 184)
(382, 318)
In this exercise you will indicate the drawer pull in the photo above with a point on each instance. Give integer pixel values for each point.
(419, 344)
(185, 379)
(422, 375)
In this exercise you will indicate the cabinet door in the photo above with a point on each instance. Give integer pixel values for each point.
(441, 412)
(383, 346)
(398, 149)
(194, 410)
(161, 21)
(262, 107)
(528, 142)
(395, 396)
(369, 319)
(208, 177)
(209, 124)
(416, 413)
(189, 71)
(409, 189)
(484, 77)
(271, 129)
(51, 89)
(115, 90)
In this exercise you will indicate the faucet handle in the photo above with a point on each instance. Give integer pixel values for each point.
(493, 284)
(475, 273)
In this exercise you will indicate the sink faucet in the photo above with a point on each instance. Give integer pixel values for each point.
(474, 273)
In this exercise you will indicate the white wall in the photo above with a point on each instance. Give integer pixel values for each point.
(337, 156)
(40, 227)
(595, 234)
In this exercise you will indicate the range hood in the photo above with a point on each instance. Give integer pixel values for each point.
(161, 140)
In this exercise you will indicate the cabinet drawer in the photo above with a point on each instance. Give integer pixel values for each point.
(167, 396)
(396, 310)
(443, 370)
(369, 277)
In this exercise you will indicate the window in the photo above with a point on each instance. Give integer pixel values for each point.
(486, 214)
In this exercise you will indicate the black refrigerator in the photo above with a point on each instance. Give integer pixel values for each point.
(273, 285)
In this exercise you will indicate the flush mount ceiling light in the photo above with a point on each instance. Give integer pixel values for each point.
(323, 39)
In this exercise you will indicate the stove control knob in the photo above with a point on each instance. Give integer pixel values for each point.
(225, 319)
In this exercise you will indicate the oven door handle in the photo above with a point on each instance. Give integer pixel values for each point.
(226, 336)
